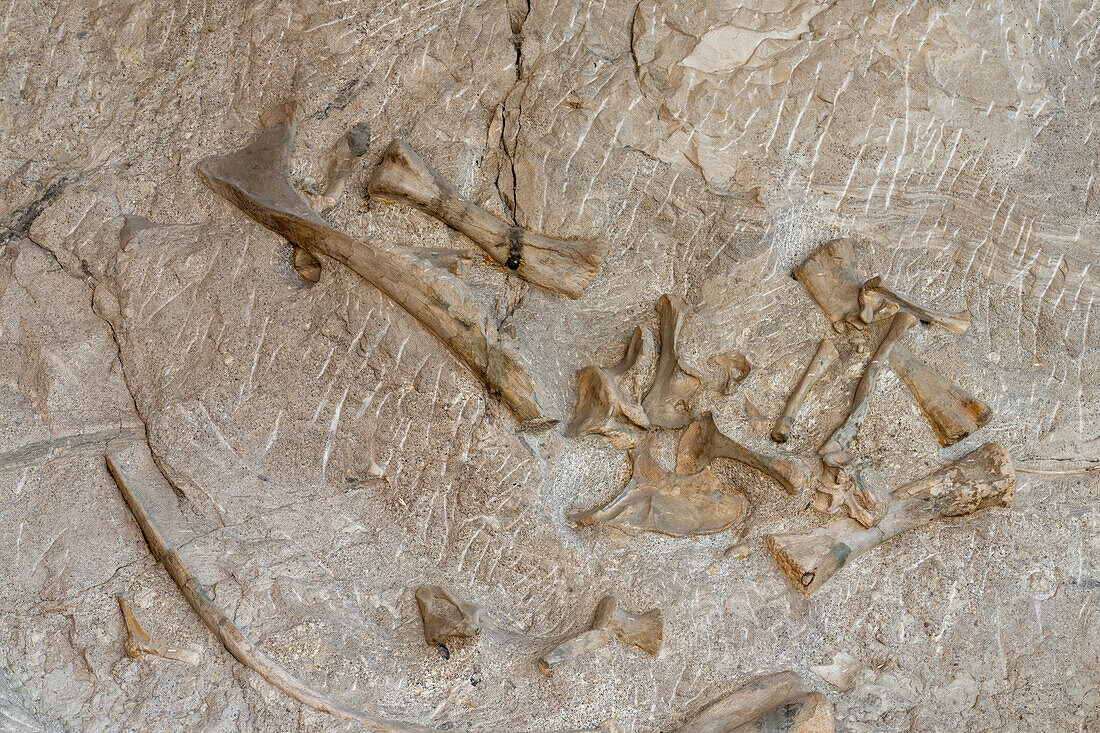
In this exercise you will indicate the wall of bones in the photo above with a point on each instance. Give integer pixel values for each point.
(508, 365)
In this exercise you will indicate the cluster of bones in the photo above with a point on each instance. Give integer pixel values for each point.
(687, 501)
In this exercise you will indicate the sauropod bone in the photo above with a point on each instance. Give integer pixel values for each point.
(231, 637)
(984, 477)
(736, 367)
(656, 500)
(834, 452)
(256, 180)
(666, 403)
(823, 358)
(644, 631)
(774, 703)
(139, 643)
(829, 276)
(873, 295)
(601, 397)
(351, 145)
(446, 617)
(563, 266)
(702, 442)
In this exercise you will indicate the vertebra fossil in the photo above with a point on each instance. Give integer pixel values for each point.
(446, 617)
(702, 442)
(666, 402)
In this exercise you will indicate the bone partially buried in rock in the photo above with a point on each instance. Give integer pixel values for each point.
(602, 398)
(774, 703)
(666, 402)
(446, 617)
(644, 631)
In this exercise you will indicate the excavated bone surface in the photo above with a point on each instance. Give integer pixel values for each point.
(329, 456)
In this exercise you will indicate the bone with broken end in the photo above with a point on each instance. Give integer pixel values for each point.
(139, 643)
(703, 442)
(984, 477)
(351, 145)
(602, 398)
(446, 617)
(644, 631)
(773, 703)
(565, 266)
(666, 402)
(735, 367)
(874, 295)
(823, 358)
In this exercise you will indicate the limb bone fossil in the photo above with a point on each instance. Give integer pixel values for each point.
(256, 180)
(558, 265)
(984, 477)
(231, 637)
(874, 295)
(351, 145)
(644, 631)
(702, 442)
(446, 617)
(656, 500)
(601, 397)
(139, 643)
(774, 703)
(736, 367)
(823, 358)
(673, 386)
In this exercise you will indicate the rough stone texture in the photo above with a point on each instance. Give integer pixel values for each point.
(329, 457)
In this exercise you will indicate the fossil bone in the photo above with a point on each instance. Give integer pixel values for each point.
(558, 265)
(774, 703)
(446, 617)
(139, 643)
(256, 180)
(601, 398)
(666, 402)
(834, 452)
(829, 276)
(953, 413)
(234, 640)
(656, 500)
(984, 477)
(702, 442)
(861, 491)
(736, 367)
(644, 631)
(351, 145)
(873, 296)
(823, 358)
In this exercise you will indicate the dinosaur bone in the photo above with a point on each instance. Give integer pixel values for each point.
(666, 403)
(860, 491)
(823, 358)
(736, 367)
(829, 276)
(446, 617)
(139, 643)
(256, 180)
(231, 637)
(563, 266)
(644, 631)
(656, 500)
(984, 477)
(774, 703)
(601, 398)
(351, 145)
(702, 442)
(874, 296)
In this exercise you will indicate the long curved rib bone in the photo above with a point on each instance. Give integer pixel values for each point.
(601, 398)
(656, 500)
(644, 631)
(823, 358)
(984, 477)
(774, 703)
(231, 637)
(139, 643)
(256, 180)
(666, 403)
(446, 617)
(874, 295)
(563, 266)
(702, 442)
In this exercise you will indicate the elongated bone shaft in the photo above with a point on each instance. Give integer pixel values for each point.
(231, 637)
(953, 413)
(984, 477)
(874, 293)
(823, 358)
(563, 266)
(702, 442)
(834, 451)
(257, 181)
(139, 643)
(774, 703)
(666, 403)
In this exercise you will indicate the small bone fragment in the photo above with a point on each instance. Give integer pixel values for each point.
(139, 643)
(353, 144)
(774, 703)
(984, 477)
(455, 261)
(834, 452)
(656, 500)
(666, 402)
(823, 358)
(563, 266)
(256, 180)
(231, 637)
(841, 674)
(446, 617)
(829, 275)
(953, 413)
(736, 367)
(305, 264)
(601, 398)
(874, 295)
(702, 442)
(644, 631)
